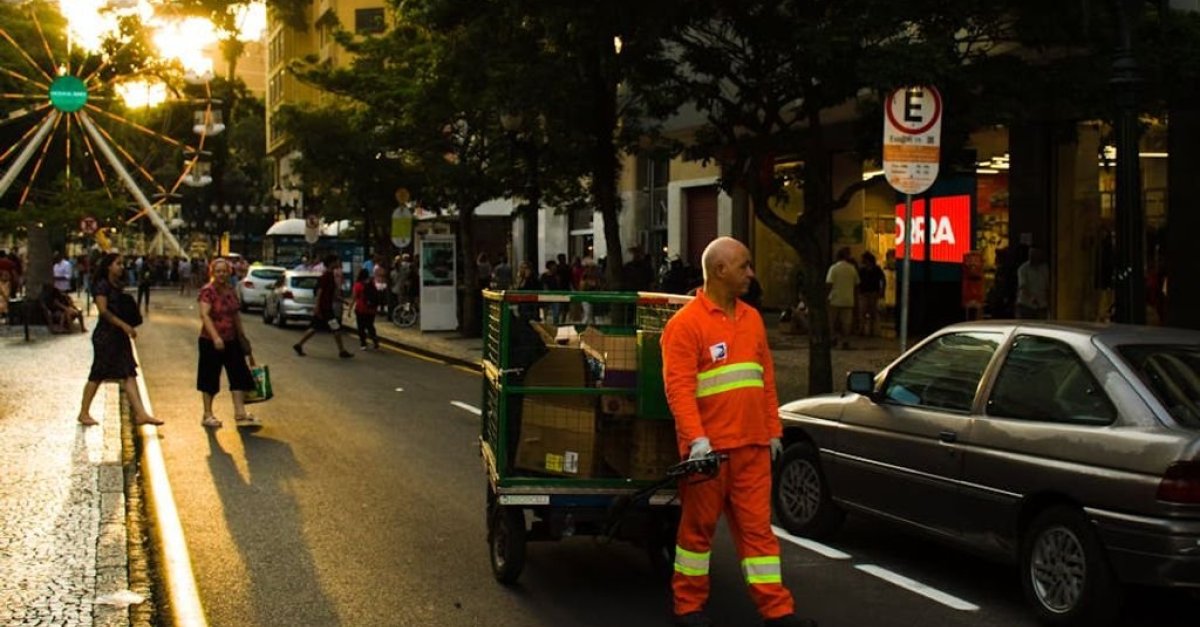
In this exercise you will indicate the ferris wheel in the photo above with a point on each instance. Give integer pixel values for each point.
(73, 110)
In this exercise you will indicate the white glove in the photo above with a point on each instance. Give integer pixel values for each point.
(776, 449)
(700, 448)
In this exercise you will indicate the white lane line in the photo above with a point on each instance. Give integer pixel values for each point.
(399, 389)
(815, 547)
(471, 408)
(934, 594)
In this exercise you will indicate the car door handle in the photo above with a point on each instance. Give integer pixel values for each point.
(948, 436)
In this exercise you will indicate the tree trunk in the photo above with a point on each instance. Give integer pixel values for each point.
(470, 322)
(605, 166)
(815, 241)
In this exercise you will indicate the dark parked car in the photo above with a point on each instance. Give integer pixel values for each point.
(1072, 450)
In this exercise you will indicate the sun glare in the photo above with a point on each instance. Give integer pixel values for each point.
(191, 40)
(139, 94)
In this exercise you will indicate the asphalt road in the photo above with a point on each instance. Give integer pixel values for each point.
(361, 502)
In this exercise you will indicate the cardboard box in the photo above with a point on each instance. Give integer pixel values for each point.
(637, 448)
(558, 436)
(618, 352)
(618, 405)
(654, 449)
(561, 366)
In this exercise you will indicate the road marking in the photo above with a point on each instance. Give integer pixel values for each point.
(928, 592)
(399, 389)
(414, 355)
(467, 370)
(815, 547)
(471, 408)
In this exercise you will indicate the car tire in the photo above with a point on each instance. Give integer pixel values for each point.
(506, 542)
(1065, 572)
(280, 321)
(266, 316)
(800, 494)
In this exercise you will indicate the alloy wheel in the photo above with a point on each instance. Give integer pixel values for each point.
(1058, 569)
(800, 490)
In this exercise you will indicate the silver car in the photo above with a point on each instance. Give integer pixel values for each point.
(293, 297)
(1072, 450)
(253, 288)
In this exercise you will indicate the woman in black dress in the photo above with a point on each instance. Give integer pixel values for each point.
(112, 344)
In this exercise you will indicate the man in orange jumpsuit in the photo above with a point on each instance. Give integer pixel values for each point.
(720, 384)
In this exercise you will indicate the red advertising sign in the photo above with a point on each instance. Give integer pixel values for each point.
(948, 230)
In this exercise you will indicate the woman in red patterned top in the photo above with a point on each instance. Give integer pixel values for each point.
(223, 344)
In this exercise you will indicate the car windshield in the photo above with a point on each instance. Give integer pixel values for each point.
(269, 275)
(305, 282)
(1172, 372)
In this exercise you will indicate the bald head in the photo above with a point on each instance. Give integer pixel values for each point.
(727, 267)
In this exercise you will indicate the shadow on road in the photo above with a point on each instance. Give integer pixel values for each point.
(258, 506)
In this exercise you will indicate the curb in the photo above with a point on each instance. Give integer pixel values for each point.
(174, 566)
(420, 350)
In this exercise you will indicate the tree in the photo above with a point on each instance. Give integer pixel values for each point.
(764, 75)
(423, 86)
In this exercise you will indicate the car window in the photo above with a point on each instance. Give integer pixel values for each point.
(1044, 380)
(305, 282)
(1172, 372)
(269, 275)
(943, 374)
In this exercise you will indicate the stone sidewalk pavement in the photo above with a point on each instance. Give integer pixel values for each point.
(63, 541)
(790, 352)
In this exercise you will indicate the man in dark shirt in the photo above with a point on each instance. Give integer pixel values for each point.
(871, 283)
(324, 317)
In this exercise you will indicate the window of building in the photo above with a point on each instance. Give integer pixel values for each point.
(944, 374)
(367, 21)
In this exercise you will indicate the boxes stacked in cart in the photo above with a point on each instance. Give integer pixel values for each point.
(588, 435)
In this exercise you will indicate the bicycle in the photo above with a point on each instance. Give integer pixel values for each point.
(405, 314)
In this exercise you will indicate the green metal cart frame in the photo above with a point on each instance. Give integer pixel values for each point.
(525, 506)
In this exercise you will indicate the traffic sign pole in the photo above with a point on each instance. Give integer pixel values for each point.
(912, 135)
(906, 279)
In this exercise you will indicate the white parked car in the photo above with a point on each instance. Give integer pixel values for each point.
(293, 297)
(252, 290)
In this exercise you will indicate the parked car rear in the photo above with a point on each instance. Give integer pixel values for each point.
(293, 297)
(1072, 450)
(252, 289)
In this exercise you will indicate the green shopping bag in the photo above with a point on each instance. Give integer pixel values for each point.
(262, 385)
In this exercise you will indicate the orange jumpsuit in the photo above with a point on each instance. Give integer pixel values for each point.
(720, 384)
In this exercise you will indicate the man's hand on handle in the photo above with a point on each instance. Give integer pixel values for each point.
(700, 448)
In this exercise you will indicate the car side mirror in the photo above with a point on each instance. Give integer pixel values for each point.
(861, 382)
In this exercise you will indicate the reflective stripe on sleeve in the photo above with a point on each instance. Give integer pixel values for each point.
(762, 570)
(731, 377)
(691, 563)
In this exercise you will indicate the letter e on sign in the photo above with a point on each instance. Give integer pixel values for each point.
(912, 137)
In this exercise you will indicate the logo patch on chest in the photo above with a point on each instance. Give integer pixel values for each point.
(718, 352)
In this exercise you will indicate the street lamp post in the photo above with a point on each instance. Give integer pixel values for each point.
(1125, 82)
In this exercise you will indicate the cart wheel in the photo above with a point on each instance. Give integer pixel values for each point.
(506, 539)
(661, 547)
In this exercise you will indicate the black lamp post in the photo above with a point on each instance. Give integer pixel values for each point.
(1126, 81)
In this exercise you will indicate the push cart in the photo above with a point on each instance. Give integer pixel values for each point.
(576, 435)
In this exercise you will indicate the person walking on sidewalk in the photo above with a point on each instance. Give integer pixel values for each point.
(325, 316)
(112, 344)
(871, 285)
(366, 306)
(720, 384)
(842, 280)
(223, 345)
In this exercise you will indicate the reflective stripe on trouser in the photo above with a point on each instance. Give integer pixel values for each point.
(732, 377)
(743, 493)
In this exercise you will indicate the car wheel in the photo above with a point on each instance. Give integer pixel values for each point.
(1065, 572)
(266, 315)
(280, 321)
(801, 496)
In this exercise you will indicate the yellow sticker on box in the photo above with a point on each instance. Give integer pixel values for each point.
(554, 462)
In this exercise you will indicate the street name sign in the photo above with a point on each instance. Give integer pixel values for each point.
(912, 138)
